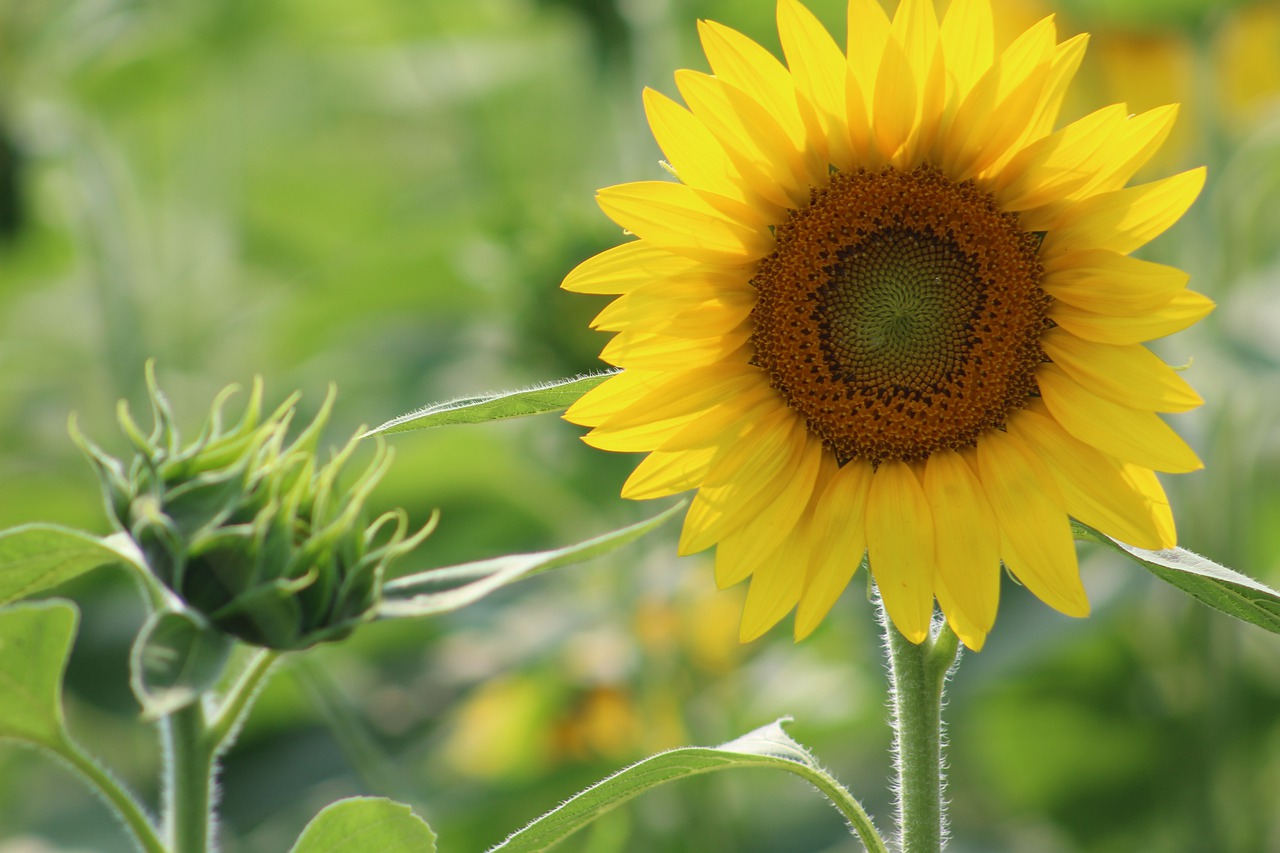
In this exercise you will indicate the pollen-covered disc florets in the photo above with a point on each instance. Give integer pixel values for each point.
(901, 314)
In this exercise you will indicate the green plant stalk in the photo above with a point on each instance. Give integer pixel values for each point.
(188, 783)
(225, 724)
(119, 799)
(917, 674)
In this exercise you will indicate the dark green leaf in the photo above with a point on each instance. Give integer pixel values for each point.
(1217, 586)
(36, 557)
(35, 639)
(549, 397)
(362, 824)
(176, 657)
(422, 594)
(765, 747)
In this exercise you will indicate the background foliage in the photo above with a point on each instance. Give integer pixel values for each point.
(385, 195)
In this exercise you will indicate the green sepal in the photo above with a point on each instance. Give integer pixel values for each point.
(36, 557)
(361, 824)
(35, 642)
(450, 588)
(768, 746)
(176, 657)
(540, 399)
(1204, 580)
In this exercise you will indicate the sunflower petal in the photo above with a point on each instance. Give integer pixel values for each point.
(966, 548)
(1106, 282)
(840, 540)
(677, 218)
(1052, 167)
(615, 393)
(644, 351)
(1035, 538)
(820, 70)
(624, 268)
(665, 473)
(1131, 375)
(900, 543)
(868, 32)
(1094, 488)
(967, 45)
(1123, 220)
(1185, 308)
(1133, 435)
(776, 585)
(683, 306)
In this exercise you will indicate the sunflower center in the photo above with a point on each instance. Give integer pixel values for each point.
(901, 314)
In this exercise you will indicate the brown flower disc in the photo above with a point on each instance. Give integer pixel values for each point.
(901, 314)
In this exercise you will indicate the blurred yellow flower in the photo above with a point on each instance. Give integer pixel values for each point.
(889, 310)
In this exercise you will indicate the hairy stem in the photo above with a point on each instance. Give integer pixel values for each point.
(120, 800)
(188, 800)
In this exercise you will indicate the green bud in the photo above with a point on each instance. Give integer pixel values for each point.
(248, 528)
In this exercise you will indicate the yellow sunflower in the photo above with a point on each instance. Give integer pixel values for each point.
(889, 310)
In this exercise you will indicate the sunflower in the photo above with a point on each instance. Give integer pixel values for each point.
(888, 311)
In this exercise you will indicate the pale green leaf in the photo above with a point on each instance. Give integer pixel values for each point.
(768, 747)
(1217, 586)
(548, 397)
(36, 557)
(35, 640)
(452, 587)
(176, 657)
(363, 824)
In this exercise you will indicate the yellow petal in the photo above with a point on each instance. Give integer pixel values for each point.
(700, 305)
(695, 154)
(1131, 375)
(651, 417)
(752, 137)
(840, 540)
(1123, 220)
(1052, 167)
(1132, 435)
(1185, 308)
(1036, 541)
(966, 549)
(614, 394)
(643, 351)
(776, 585)
(1062, 69)
(626, 267)
(900, 545)
(664, 473)
(1106, 282)
(1093, 485)
(743, 478)
(896, 101)
(819, 70)
(727, 421)
(1141, 136)
(967, 44)
(867, 34)
(1144, 480)
(747, 548)
(677, 218)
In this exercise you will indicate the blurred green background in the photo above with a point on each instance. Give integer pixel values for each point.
(385, 195)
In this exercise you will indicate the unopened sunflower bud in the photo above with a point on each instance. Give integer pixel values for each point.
(248, 528)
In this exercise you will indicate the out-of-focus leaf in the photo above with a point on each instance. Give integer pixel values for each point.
(452, 587)
(1217, 586)
(35, 640)
(360, 824)
(176, 657)
(548, 397)
(35, 557)
(768, 746)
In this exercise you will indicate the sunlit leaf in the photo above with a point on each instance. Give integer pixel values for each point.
(361, 824)
(449, 588)
(1217, 586)
(176, 657)
(768, 746)
(35, 640)
(36, 557)
(547, 397)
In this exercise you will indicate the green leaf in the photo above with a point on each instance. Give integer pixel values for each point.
(35, 557)
(35, 640)
(1217, 586)
(422, 594)
(361, 824)
(548, 397)
(176, 657)
(768, 746)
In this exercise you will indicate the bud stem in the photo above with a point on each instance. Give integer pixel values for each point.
(188, 781)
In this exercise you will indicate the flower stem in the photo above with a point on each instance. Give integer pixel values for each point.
(124, 804)
(917, 673)
(189, 781)
(225, 724)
